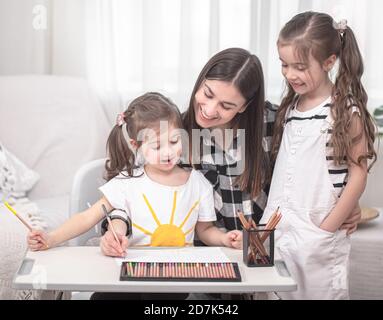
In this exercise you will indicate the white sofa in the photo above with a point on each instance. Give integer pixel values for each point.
(54, 125)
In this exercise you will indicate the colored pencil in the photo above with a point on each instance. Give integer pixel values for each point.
(23, 221)
(111, 225)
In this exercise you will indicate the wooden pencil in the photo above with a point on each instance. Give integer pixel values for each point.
(254, 243)
(23, 221)
(111, 225)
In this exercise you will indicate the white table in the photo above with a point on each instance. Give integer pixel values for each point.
(366, 260)
(86, 269)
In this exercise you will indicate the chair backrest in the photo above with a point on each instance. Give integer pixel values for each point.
(85, 190)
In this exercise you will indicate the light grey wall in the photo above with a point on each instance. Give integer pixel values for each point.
(58, 49)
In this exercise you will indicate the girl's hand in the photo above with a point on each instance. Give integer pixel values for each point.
(38, 240)
(233, 239)
(352, 221)
(110, 247)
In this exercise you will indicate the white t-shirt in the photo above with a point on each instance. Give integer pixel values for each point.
(161, 215)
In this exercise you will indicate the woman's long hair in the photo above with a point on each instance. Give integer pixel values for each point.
(244, 71)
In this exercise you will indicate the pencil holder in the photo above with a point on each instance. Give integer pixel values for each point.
(258, 247)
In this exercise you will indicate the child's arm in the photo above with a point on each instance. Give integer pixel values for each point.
(355, 185)
(76, 225)
(352, 221)
(212, 236)
(108, 244)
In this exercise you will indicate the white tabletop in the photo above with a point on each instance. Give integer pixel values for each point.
(87, 269)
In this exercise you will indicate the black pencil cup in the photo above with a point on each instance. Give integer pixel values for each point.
(258, 247)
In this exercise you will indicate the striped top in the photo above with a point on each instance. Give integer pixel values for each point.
(338, 173)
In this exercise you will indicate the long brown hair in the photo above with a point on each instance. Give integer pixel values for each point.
(244, 71)
(146, 111)
(318, 34)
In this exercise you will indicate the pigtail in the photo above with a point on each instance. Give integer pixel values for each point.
(121, 157)
(349, 92)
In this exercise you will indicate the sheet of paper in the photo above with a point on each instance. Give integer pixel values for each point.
(189, 254)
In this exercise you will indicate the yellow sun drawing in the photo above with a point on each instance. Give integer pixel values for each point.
(167, 235)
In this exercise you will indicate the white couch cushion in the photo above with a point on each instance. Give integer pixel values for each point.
(54, 210)
(16, 179)
(54, 125)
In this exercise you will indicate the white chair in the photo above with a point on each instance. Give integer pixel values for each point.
(85, 190)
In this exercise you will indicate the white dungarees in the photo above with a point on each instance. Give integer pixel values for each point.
(304, 189)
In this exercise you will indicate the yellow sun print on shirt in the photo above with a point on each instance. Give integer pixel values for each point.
(167, 235)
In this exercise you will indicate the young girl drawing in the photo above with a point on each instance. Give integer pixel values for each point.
(323, 138)
(166, 203)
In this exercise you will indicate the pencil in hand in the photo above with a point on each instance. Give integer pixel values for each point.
(17, 216)
(23, 222)
(111, 226)
(37, 240)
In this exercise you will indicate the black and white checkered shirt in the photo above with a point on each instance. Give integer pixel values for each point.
(227, 197)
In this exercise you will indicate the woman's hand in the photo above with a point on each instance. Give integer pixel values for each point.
(233, 239)
(110, 247)
(39, 240)
(351, 224)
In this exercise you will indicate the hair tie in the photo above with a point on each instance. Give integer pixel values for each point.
(120, 119)
(341, 26)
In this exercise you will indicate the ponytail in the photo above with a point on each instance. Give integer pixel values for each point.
(349, 92)
(121, 157)
(348, 81)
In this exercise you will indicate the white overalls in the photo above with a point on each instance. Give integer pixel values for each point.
(302, 188)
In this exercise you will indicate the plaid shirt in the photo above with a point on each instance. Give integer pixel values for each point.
(228, 198)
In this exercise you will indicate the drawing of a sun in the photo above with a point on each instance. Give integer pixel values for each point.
(167, 235)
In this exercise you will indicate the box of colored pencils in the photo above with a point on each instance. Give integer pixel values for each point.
(172, 271)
